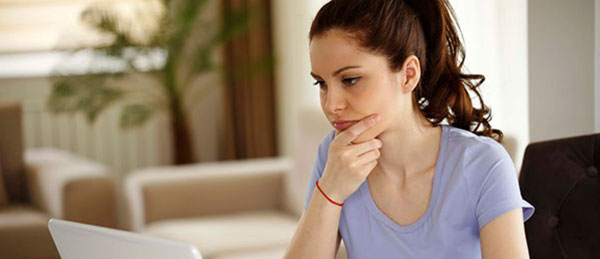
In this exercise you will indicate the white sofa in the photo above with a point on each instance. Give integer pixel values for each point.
(227, 209)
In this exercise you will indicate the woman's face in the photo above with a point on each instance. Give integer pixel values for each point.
(354, 84)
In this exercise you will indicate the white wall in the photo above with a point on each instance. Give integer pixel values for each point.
(561, 65)
(300, 122)
(495, 39)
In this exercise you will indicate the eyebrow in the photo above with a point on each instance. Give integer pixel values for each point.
(337, 71)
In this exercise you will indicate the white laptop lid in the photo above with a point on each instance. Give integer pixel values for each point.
(76, 241)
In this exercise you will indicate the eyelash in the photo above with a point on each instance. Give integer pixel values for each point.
(345, 79)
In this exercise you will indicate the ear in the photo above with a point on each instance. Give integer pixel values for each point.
(410, 74)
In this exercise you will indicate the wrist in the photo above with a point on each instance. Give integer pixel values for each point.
(331, 187)
(331, 198)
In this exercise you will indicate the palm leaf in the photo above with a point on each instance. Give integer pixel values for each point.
(134, 115)
(89, 94)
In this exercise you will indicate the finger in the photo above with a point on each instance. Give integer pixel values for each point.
(368, 157)
(370, 166)
(348, 135)
(364, 147)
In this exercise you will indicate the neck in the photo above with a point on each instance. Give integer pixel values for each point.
(410, 147)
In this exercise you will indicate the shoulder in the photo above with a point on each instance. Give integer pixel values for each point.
(476, 152)
(479, 159)
(483, 163)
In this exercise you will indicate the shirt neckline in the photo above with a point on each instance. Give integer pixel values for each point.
(379, 215)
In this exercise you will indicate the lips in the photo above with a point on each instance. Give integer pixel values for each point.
(342, 124)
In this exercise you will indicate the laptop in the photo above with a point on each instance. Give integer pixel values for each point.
(77, 241)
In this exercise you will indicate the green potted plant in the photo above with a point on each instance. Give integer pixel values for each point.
(176, 45)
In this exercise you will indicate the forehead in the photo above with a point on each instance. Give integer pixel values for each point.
(334, 49)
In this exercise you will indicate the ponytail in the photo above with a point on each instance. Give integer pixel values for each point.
(426, 29)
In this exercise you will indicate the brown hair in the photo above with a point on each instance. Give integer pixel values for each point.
(397, 29)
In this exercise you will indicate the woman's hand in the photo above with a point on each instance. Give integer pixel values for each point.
(348, 165)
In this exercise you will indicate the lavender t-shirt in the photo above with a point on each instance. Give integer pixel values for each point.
(475, 181)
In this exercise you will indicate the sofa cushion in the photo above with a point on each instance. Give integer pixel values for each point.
(11, 150)
(15, 216)
(273, 252)
(24, 234)
(217, 236)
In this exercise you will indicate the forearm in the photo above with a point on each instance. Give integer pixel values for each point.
(316, 234)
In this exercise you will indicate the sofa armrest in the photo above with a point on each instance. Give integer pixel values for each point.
(70, 187)
(204, 189)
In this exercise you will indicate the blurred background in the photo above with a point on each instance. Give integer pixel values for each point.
(149, 115)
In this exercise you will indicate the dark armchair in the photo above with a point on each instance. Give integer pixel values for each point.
(560, 178)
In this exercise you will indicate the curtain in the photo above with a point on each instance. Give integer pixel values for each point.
(248, 91)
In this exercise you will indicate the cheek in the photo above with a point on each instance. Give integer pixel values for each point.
(385, 107)
(380, 101)
(382, 125)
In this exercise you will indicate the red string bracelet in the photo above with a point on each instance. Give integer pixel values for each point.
(330, 200)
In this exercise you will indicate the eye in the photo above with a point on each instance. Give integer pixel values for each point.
(350, 81)
(320, 83)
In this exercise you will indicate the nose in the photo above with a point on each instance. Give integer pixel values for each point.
(335, 101)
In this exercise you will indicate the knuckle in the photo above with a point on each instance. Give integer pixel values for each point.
(363, 126)
(352, 134)
(372, 144)
(372, 164)
(345, 155)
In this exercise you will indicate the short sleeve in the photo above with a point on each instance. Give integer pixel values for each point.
(498, 188)
(318, 166)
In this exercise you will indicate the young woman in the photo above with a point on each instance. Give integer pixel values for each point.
(391, 180)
